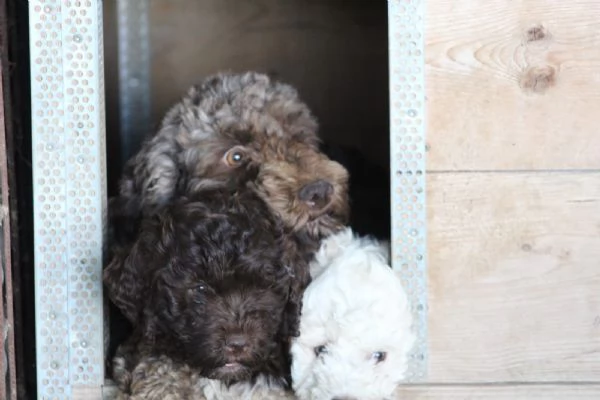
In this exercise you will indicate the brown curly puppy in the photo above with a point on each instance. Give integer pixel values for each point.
(233, 130)
(208, 281)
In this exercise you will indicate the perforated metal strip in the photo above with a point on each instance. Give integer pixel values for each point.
(407, 151)
(134, 73)
(69, 195)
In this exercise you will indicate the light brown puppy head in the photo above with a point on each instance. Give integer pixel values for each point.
(243, 129)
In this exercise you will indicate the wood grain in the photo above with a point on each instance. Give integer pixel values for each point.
(501, 392)
(513, 85)
(514, 277)
(79, 392)
(479, 392)
(8, 383)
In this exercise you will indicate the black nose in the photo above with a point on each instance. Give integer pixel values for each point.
(236, 343)
(316, 194)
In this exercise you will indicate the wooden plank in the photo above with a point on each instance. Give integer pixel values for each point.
(15, 79)
(501, 392)
(80, 392)
(8, 379)
(474, 392)
(516, 87)
(514, 277)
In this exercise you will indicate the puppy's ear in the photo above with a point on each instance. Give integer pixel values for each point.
(123, 282)
(127, 276)
(124, 216)
(150, 177)
(295, 259)
(331, 248)
(160, 306)
(294, 305)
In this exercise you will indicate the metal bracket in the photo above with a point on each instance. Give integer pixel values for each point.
(134, 74)
(407, 155)
(69, 187)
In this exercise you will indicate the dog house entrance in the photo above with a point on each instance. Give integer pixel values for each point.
(104, 73)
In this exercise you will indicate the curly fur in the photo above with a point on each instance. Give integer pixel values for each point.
(128, 276)
(204, 271)
(162, 378)
(273, 130)
(354, 310)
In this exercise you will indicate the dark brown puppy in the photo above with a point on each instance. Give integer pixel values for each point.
(208, 281)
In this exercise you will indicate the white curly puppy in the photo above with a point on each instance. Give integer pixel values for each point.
(355, 328)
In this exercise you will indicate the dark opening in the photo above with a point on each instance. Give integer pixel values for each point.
(335, 52)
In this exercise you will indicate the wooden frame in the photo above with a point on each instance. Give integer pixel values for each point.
(8, 383)
(15, 183)
(513, 196)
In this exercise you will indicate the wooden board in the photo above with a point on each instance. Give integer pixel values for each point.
(475, 392)
(513, 84)
(514, 277)
(87, 393)
(8, 383)
(501, 392)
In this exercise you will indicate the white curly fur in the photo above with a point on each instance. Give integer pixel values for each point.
(260, 390)
(355, 306)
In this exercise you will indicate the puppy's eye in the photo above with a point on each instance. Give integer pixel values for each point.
(257, 313)
(235, 157)
(197, 293)
(379, 356)
(319, 350)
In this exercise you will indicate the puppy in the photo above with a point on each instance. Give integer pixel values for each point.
(355, 328)
(209, 283)
(232, 130)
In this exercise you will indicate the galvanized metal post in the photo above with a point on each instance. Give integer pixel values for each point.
(68, 139)
(407, 155)
(134, 73)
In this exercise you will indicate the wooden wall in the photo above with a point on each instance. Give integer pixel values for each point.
(513, 93)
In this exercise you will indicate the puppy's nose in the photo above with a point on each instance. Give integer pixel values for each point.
(236, 343)
(316, 194)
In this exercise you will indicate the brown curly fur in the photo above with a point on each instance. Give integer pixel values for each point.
(162, 378)
(275, 133)
(128, 275)
(271, 127)
(204, 270)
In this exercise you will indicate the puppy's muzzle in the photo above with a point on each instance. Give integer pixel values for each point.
(235, 345)
(316, 195)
